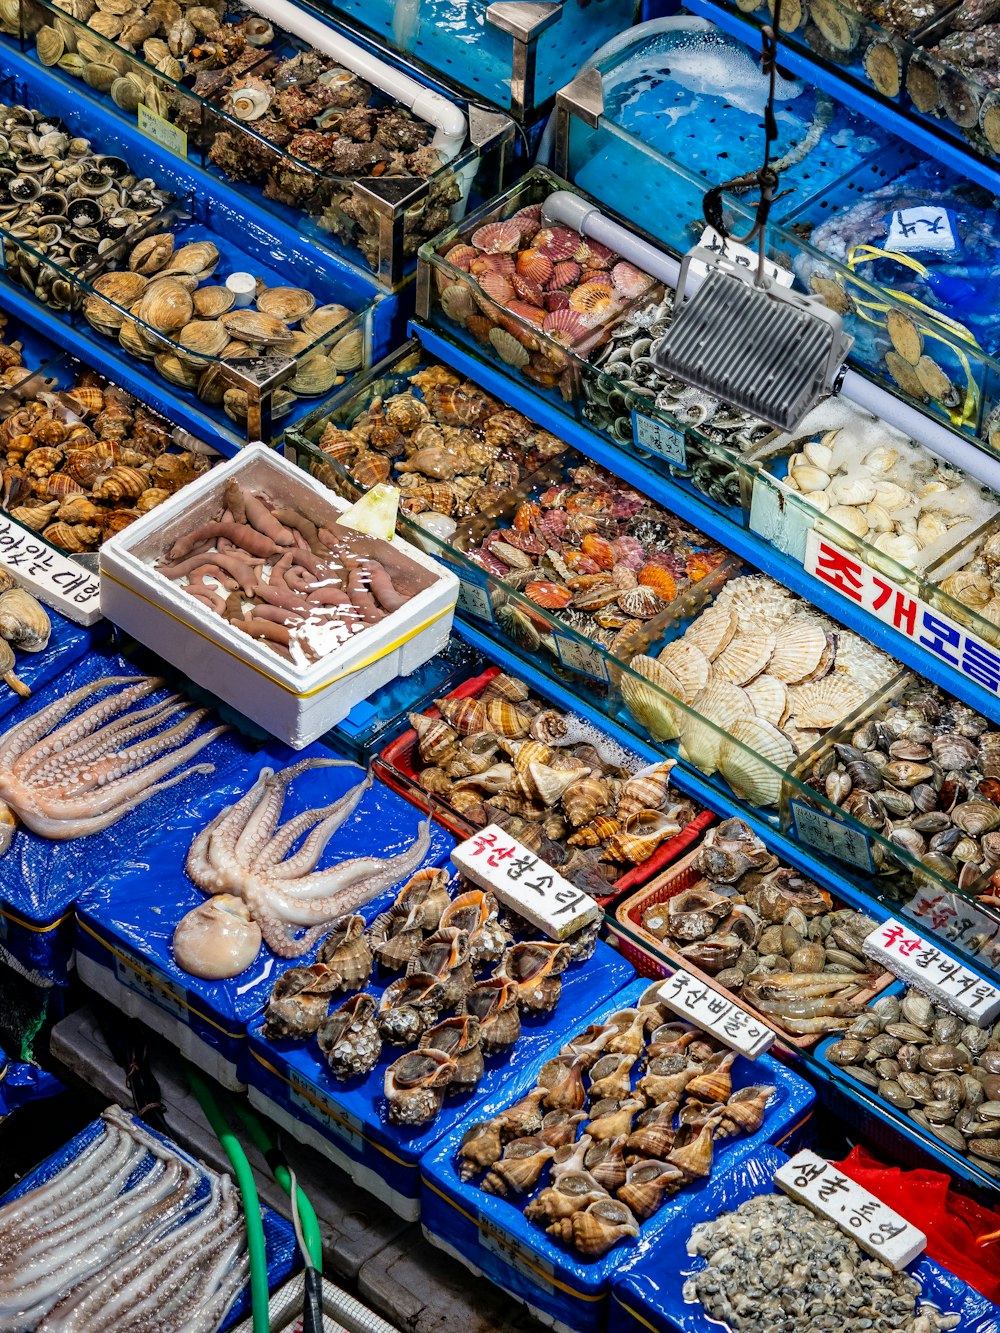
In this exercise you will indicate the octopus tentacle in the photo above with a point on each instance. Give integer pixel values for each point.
(201, 867)
(29, 732)
(286, 837)
(126, 761)
(106, 738)
(307, 857)
(61, 828)
(249, 847)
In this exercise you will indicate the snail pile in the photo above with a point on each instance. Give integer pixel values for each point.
(553, 280)
(79, 466)
(602, 557)
(553, 782)
(453, 451)
(940, 1072)
(924, 773)
(60, 201)
(622, 1118)
(766, 671)
(162, 308)
(440, 945)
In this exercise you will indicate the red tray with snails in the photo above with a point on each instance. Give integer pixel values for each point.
(584, 814)
(703, 927)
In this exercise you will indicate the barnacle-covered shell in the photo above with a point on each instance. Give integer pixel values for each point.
(415, 1085)
(349, 1038)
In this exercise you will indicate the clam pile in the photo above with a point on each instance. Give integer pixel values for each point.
(935, 1069)
(627, 357)
(873, 481)
(767, 671)
(440, 945)
(768, 933)
(816, 1280)
(60, 201)
(79, 466)
(162, 308)
(554, 783)
(24, 625)
(924, 772)
(452, 450)
(977, 584)
(566, 286)
(608, 561)
(622, 1118)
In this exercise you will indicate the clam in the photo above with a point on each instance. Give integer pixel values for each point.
(24, 622)
(253, 326)
(289, 304)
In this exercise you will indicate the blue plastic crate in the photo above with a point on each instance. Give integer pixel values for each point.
(41, 879)
(247, 240)
(491, 1236)
(348, 1121)
(126, 920)
(279, 1238)
(650, 1294)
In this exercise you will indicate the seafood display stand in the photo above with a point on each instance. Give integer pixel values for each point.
(450, 766)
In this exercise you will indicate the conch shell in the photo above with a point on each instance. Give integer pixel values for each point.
(597, 1229)
(415, 1086)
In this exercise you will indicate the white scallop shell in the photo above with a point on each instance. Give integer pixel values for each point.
(712, 631)
(821, 704)
(650, 708)
(721, 703)
(688, 664)
(746, 760)
(798, 651)
(746, 657)
(770, 698)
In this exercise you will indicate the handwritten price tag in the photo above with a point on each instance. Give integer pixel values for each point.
(524, 882)
(51, 576)
(579, 656)
(474, 595)
(161, 131)
(826, 834)
(698, 1002)
(741, 255)
(873, 1225)
(954, 918)
(659, 439)
(902, 951)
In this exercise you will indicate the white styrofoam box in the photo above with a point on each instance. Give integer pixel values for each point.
(296, 704)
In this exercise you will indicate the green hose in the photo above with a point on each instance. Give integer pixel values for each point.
(265, 1146)
(259, 1293)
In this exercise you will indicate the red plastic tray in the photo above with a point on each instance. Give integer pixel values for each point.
(397, 768)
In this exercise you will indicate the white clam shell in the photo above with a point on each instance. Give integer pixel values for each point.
(881, 459)
(852, 490)
(805, 477)
(819, 455)
(818, 499)
(850, 518)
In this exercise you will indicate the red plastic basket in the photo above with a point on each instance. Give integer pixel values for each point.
(655, 958)
(397, 766)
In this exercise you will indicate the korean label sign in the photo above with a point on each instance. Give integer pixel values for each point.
(944, 980)
(869, 1222)
(739, 254)
(659, 438)
(579, 656)
(524, 882)
(160, 130)
(935, 632)
(697, 1001)
(827, 834)
(51, 576)
(953, 918)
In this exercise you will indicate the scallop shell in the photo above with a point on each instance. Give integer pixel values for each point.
(688, 664)
(593, 302)
(536, 267)
(770, 698)
(457, 302)
(552, 596)
(659, 579)
(641, 602)
(821, 704)
(629, 281)
(509, 349)
(290, 304)
(721, 703)
(742, 760)
(746, 656)
(713, 631)
(799, 650)
(647, 705)
(497, 288)
(496, 238)
(565, 272)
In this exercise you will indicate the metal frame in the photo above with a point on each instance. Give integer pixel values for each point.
(685, 504)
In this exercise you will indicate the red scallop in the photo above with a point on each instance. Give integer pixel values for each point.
(528, 291)
(551, 595)
(565, 326)
(557, 242)
(596, 275)
(529, 219)
(630, 281)
(527, 311)
(461, 256)
(535, 266)
(502, 264)
(556, 300)
(497, 237)
(595, 255)
(497, 288)
(565, 272)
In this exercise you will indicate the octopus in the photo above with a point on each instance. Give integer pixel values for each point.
(247, 853)
(69, 776)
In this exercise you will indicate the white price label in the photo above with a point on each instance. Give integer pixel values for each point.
(912, 958)
(158, 989)
(160, 130)
(580, 656)
(659, 438)
(929, 227)
(954, 918)
(316, 1104)
(823, 832)
(475, 599)
(524, 882)
(741, 255)
(49, 575)
(696, 1001)
(871, 1224)
(935, 632)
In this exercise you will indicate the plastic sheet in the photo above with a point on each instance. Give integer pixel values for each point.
(21, 1084)
(126, 922)
(352, 1116)
(279, 1238)
(491, 1235)
(649, 1295)
(40, 879)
